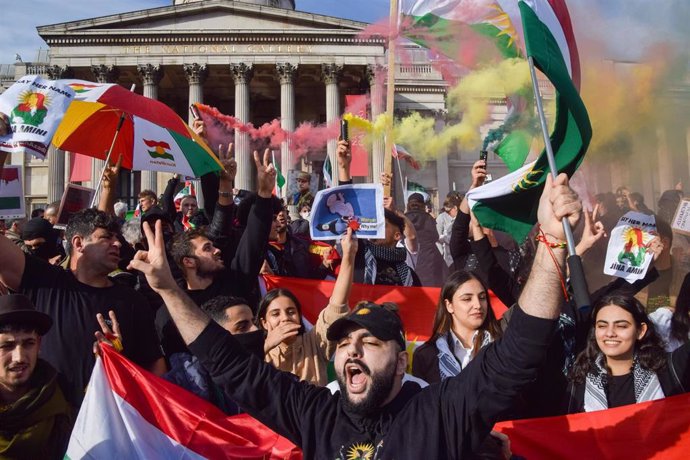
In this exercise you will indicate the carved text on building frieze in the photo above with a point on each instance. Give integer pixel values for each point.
(220, 49)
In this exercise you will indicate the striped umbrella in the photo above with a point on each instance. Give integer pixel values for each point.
(150, 135)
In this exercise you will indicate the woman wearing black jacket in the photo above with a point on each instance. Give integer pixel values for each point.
(464, 323)
(624, 361)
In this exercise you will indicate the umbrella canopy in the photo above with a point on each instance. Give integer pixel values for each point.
(153, 137)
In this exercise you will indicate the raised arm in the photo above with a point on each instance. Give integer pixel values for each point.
(488, 387)
(344, 161)
(543, 292)
(13, 263)
(189, 318)
(106, 200)
(168, 199)
(221, 222)
(273, 397)
(343, 284)
(249, 256)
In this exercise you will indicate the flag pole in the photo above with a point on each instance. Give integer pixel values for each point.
(578, 282)
(110, 151)
(390, 93)
(403, 183)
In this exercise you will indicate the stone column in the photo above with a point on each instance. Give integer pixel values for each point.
(331, 74)
(286, 74)
(57, 159)
(104, 74)
(150, 75)
(442, 166)
(242, 74)
(665, 161)
(374, 73)
(196, 76)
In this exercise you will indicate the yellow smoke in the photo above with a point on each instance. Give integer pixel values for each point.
(621, 99)
(470, 99)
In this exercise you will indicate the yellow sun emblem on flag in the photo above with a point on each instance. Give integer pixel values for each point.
(360, 452)
(528, 180)
(502, 22)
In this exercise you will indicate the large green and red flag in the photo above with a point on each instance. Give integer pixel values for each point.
(510, 203)
(465, 31)
(475, 33)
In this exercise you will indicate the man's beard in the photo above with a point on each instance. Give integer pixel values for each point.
(204, 271)
(380, 388)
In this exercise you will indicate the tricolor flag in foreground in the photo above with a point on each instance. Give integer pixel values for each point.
(510, 203)
(129, 413)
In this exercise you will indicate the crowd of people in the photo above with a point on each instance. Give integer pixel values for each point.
(176, 290)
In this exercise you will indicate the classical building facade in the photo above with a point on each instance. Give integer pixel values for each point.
(257, 60)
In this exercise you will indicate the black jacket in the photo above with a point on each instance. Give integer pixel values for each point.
(674, 379)
(447, 420)
(240, 276)
(425, 363)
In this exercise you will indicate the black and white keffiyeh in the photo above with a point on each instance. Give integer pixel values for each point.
(645, 382)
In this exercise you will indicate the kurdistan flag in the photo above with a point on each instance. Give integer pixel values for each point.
(469, 32)
(460, 29)
(510, 203)
(129, 413)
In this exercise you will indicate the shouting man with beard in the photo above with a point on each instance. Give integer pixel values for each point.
(375, 415)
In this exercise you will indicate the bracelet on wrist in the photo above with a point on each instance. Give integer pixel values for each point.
(225, 194)
(541, 238)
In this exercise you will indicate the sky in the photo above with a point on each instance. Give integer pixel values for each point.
(23, 16)
(625, 27)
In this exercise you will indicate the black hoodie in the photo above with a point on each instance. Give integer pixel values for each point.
(447, 420)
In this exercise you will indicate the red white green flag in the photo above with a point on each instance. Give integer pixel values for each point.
(129, 413)
(510, 203)
(463, 30)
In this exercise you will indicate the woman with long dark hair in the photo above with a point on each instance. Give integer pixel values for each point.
(624, 361)
(288, 346)
(464, 323)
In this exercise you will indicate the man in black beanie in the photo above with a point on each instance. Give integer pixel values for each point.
(41, 240)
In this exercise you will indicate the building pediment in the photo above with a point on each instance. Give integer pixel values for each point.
(208, 17)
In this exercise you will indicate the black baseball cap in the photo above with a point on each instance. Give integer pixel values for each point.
(382, 322)
(18, 309)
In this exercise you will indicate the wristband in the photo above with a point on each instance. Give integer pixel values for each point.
(225, 194)
(541, 238)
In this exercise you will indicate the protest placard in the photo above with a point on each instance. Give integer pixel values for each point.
(35, 107)
(359, 207)
(627, 256)
(11, 193)
(73, 200)
(681, 221)
(293, 186)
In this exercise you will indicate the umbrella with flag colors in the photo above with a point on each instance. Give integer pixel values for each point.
(152, 136)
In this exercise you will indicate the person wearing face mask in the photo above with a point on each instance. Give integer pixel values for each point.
(300, 226)
(41, 240)
(235, 316)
